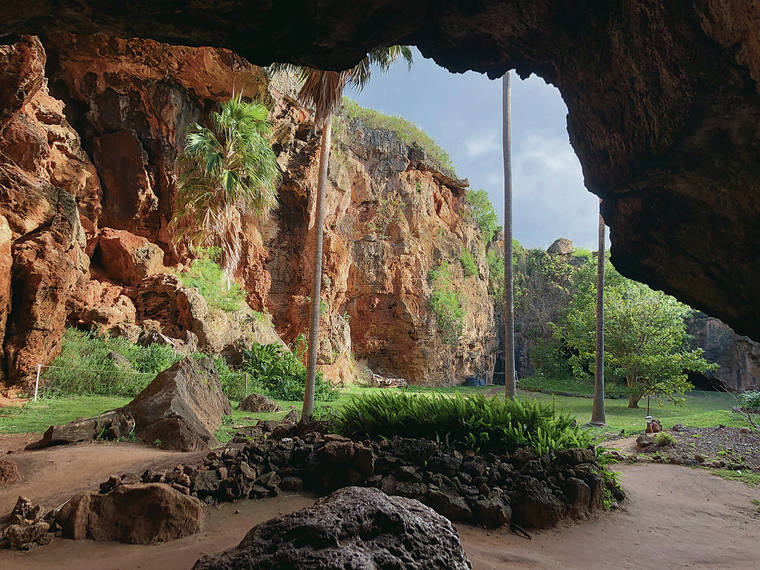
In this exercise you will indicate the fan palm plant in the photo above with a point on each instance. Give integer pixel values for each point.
(323, 90)
(226, 171)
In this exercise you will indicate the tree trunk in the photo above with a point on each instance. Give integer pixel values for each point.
(510, 378)
(311, 362)
(597, 414)
(633, 400)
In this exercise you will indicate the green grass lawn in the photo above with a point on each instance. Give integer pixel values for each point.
(568, 386)
(702, 409)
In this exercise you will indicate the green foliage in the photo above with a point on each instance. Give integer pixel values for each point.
(750, 400)
(495, 276)
(226, 171)
(280, 374)
(483, 213)
(404, 130)
(207, 277)
(84, 367)
(469, 266)
(746, 476)
(646, 344)
(664, 439)
(446, 304)
(582, 252)
(482, 424)
(389, 210)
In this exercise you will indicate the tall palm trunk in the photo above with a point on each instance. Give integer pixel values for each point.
(311, 363)
(510, 380)
(597, 414)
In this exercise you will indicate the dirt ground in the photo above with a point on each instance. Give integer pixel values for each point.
(676, 518)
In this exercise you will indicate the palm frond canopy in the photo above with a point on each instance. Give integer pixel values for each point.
(227, 170)
(323, 90)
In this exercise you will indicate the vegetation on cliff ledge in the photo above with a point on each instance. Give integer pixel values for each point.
(406, 131)
(446, 303)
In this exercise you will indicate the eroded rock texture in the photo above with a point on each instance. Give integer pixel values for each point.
(353, 528)
(662, 97)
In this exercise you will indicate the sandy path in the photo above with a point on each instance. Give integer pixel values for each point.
(50, 476)
(676, 518)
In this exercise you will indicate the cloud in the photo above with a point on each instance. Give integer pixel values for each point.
(481, 144)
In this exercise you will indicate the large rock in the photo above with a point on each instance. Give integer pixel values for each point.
(259, 403)
(738, 356)
(49, 268)
(179, 309)
(353, 528)
(128, 258)
(182, 407)
(132, 513)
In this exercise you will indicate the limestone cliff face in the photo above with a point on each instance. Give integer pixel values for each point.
(738, 356)
(88, 179)
(392, 215)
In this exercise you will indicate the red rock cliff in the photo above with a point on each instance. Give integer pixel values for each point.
(87, 182)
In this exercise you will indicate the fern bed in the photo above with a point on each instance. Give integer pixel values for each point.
(475, 422)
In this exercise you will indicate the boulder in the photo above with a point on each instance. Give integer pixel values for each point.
(128, 258)
(354, 528)
(258, 403)
(134, 513)
(182, 407)
(562, 246)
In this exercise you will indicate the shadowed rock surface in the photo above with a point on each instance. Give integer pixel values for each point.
(182, 407)
(136, 514)
(354, 528)
(663, 103)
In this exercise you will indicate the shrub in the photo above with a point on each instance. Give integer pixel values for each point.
(482, 424)
(84, 366)
(280, 375)
(469, 266)
(663, 439)
(207, 277)
(483, 213)
(446, 304)
(750, 400)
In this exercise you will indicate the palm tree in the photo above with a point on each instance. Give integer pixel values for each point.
(510, 379)
(597, 414)
(324, 91)
(227, 171)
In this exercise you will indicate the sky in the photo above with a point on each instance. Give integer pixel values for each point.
(462, 113)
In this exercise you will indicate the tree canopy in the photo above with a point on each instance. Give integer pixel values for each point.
(646, 343)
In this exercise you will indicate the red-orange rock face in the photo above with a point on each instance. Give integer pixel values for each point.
(391, 218)
(127, 258)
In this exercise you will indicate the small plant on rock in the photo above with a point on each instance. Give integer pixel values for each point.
(663, 439)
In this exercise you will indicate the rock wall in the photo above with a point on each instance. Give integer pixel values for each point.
(663, 102)
(738, 356)
(88, 179)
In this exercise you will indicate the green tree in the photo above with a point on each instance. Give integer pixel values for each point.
(645, 341)
(483, 214)
(324, 91)
(226, 171)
